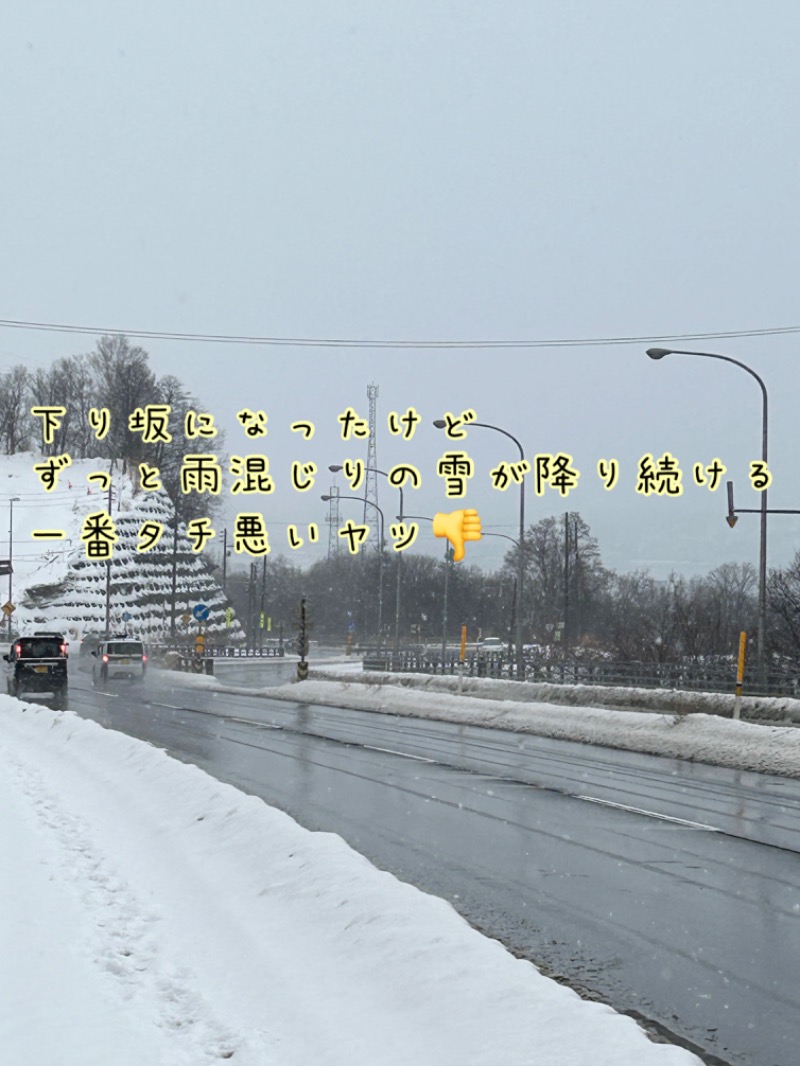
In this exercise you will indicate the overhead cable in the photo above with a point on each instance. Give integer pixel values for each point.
(342, 342)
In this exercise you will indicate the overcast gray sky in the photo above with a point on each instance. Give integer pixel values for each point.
(432, 169)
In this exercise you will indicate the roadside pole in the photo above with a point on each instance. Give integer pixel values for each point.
(462, 651)
(303, 627)
(739, 675)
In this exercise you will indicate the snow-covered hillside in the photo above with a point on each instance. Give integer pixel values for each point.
(56, 585)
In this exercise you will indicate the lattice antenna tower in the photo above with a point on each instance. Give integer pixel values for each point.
(334, 521)
(371, 517)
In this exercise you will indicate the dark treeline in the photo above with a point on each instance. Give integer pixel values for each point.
(573, 605)
(116, 376)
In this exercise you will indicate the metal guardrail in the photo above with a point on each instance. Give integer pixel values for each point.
(245, 653)
(217, 651)
(710, 675)
(413, 662)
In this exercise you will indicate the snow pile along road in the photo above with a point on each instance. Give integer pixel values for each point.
(699, 737)
(153, 915)
(772, 709)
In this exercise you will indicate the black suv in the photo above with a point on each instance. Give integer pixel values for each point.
(38, 664)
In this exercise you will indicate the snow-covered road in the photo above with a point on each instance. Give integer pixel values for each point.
(153, 915)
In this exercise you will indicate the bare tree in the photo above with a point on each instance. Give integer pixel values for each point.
(15, 416)
(565, 579)
(81, 395)
(125, 383)
(783, 595)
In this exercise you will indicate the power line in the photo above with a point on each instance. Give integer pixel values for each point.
(340, 342)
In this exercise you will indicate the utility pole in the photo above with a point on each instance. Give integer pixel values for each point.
(513, 627)
(566, 580)
(371, 472)
(251, 607)
(174, 573)
(263, 593)
(11, 502)
(448, 560)
(225, 562)
(108, 565)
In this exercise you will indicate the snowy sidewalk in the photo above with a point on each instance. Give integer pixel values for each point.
(153, 915)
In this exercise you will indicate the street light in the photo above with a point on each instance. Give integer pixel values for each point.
(659, 353)
(363, 499)
(335, 468)
(11, 502)
(441, 424)
(448, 558)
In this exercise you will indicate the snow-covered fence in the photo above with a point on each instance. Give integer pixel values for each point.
(227, 652)
(712, 674)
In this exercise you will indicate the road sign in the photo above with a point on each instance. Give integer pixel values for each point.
(126, 616)
(8, 609)
(200, 612)
(6, 567)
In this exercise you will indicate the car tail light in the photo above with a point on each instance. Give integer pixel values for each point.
(144, 658)
(18, 649)
(105, 658)
(63, 649)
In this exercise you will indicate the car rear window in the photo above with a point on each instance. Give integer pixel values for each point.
(40, 649)
(126, 647)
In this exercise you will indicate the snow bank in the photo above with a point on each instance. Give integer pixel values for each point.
(171, 919)
(701, 737)
(696, 737)
(662, 700)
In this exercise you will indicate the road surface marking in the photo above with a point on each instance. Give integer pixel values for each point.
(391, 751)
(650, 814)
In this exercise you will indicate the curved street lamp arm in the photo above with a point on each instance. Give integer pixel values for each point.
(659, 352)
(363, 499)
(487, 425)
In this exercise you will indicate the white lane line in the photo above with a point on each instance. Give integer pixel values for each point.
(650, 814)
(391, 751)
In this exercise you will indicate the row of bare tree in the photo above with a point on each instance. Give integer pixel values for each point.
(573, 605)
(116, 376)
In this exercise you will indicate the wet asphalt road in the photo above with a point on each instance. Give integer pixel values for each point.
(670, 890)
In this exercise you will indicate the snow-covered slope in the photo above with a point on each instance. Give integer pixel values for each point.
(56, 585)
